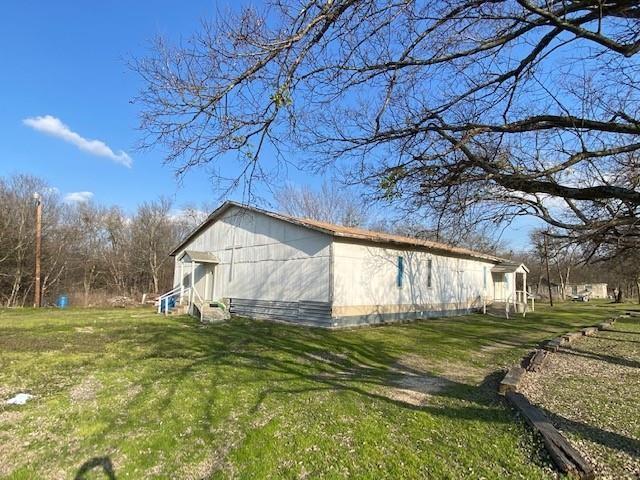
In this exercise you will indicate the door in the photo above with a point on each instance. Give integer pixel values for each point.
(498, 286)
(210, 287)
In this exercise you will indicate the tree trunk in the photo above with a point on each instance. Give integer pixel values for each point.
(619, 296)
(546, 256)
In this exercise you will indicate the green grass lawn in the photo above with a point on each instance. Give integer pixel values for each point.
(160, 397)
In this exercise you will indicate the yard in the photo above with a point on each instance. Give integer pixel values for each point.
(146, 396)
(590, 390)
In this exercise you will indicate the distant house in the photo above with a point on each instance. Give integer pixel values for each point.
(268, 265)
(542, 289)
(593, 290)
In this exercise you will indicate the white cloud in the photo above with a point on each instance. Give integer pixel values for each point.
(53, 126)
(78, 197)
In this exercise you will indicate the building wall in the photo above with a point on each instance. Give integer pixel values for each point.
(366, 290)
(598, 290)
(262, 258)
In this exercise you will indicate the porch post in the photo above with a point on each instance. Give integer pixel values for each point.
(193, 284)
(181, 281)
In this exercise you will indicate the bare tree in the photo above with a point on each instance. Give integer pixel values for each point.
(331, 203)
(154, 234)
(17, 217)
(467, 110)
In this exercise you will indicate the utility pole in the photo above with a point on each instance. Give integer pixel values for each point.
(546, 257)
(36, 290)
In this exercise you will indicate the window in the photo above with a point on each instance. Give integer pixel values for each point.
(400, 271)
(429, 272)
(484, 277)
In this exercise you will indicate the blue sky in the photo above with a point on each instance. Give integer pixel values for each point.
(68, 61)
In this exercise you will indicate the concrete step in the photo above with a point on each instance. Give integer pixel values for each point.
(498, 309)
(212, 312)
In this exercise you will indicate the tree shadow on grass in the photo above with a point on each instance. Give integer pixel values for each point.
(291, 360)
(598, 435)
(625, 362)
(96, 464)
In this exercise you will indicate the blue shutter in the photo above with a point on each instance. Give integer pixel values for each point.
(400, 271)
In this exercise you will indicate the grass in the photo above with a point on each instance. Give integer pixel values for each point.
(590, 389)
(156, 397)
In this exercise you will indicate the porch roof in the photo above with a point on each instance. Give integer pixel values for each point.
(198, 257)
(509, 267)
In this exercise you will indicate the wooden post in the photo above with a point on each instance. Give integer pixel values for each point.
(533, 303)
(206, 286)
(37, 297)
(546, 257)
(193, 283)
(181, 280)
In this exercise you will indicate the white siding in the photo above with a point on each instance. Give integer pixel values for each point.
(263, 258)
(367, 275)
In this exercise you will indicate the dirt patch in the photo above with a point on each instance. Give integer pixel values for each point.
(328, 357)
(85, 391)
(449, 370)
(415, 389)
(84, 329)
(495, 347)
(10, 417)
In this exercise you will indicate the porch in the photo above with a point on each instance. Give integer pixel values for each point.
(510, 287)
(195, 292)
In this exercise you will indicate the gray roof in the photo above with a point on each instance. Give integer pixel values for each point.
(343, 232)
(508, 267)
(199, 257)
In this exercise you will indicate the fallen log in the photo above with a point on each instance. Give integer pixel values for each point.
(553, 345)
(567, 459)
(570, 337)
(537, 361)
(511, 380)
(589, 331)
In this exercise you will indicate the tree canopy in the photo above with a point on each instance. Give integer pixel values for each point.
(469, 110)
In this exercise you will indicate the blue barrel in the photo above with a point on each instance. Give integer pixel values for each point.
(62, 302)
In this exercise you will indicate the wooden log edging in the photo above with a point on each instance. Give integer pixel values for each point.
(566, 458)
(537, 361)
(511, 380)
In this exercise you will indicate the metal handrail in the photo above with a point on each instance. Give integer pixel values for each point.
(166, 296)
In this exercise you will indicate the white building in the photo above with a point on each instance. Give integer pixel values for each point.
(268, 265)
(590, 290)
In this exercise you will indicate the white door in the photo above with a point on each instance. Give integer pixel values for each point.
(498, 286)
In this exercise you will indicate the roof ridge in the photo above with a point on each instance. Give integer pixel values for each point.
(341, 231)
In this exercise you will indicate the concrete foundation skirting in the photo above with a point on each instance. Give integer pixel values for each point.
(394, 317)
(323, 314)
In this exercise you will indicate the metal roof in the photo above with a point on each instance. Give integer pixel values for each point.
(200, 257)
(509, 267)
(340, 231)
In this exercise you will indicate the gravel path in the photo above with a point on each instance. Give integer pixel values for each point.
(590, 390)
